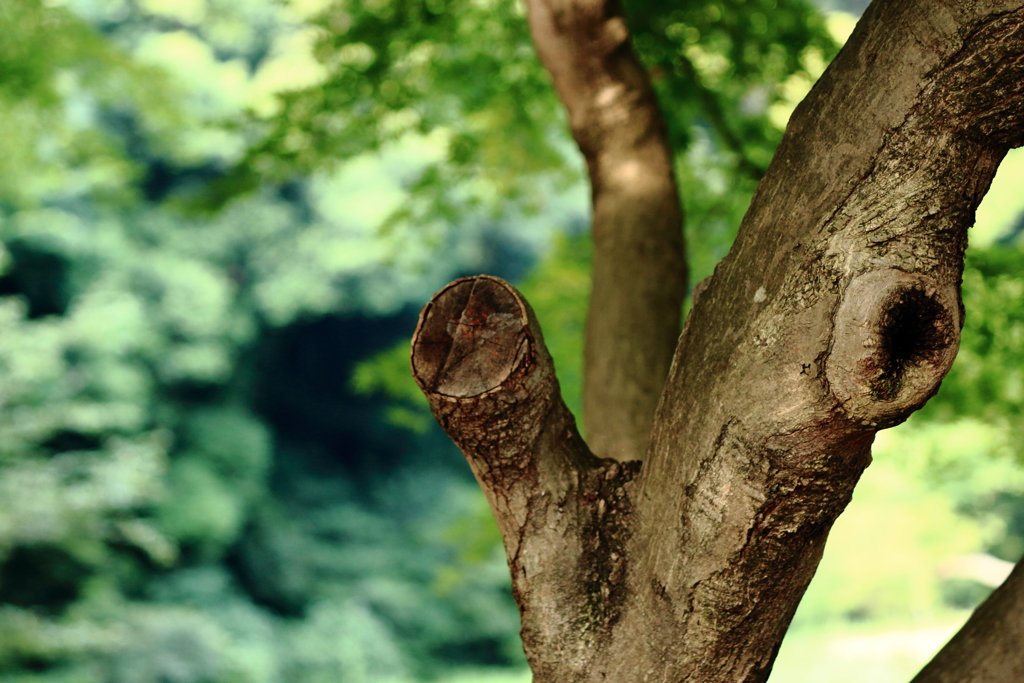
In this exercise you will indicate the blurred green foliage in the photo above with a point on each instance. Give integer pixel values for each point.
(216, 220)
(177, 500)
(723, 64)
(558, 290)
(464, 74)
(987, 380)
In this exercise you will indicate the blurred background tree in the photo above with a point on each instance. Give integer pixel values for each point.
(218, 219)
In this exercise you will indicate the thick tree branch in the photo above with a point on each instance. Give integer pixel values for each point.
(479, 357)
(639, 275)
(836, 313)
(990, 646)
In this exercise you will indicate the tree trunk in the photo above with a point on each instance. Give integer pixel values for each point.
(836, 313)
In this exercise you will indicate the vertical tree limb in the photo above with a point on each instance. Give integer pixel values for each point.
(639, 274)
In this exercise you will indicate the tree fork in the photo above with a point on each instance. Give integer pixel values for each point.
(836, 313)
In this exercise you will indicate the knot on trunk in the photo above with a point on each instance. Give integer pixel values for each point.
(896, 335)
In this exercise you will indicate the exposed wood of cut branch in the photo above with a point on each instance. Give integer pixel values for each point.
(639, 274)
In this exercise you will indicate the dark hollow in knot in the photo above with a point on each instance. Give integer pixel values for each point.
(470, 338)
(915, 329)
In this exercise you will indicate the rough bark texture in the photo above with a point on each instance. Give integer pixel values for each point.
(836, 314)
(479, 357)
(639, 275)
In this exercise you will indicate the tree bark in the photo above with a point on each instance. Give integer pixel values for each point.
(990, 646)
(479, 357)
(836, 313)
(639, 273)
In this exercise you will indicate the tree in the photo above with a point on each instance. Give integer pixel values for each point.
(836, 314)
